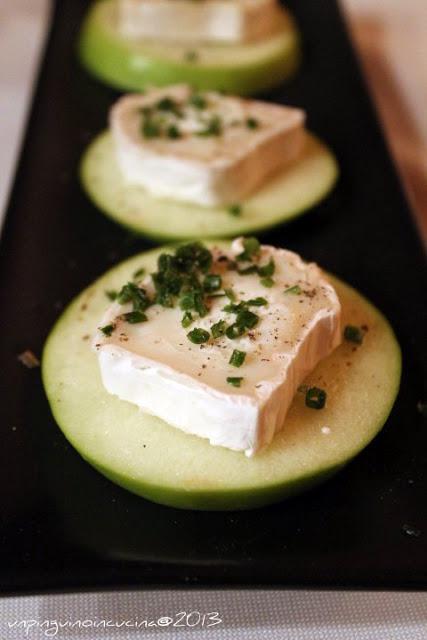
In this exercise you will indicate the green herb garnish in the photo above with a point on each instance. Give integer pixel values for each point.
(213, 127)
(198, 336)
(167, 104)
(198, 101)
(235, 381)
(212, 282)
(267, 269)
(218, 329)
(235, 210)
(138, 273)
(353, 334)
(230, 294)
(191, 56)
(251, 247)
(178, 275)
(133, 317)
(111, 295)
(193, 255)
(252, 123)
(295, 290)
(108, 329)
(248, 270)
(232, 307)
(315, 398)
(247, 319)
(257, 302)
(193, 300)
(187, 319)
(237, 358)
(150, 129)
(134, 294)
(235, 331)
(267, 282)
(173, 132)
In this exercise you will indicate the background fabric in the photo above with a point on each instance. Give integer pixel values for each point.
(244, 615)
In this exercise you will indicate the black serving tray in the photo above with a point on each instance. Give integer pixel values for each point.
(63, 526)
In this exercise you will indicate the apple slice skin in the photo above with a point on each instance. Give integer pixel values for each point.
(240, 69)
(286, 196)
(160, 463)
(224, 501)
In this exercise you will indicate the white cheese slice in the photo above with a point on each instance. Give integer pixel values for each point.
(255, 140)
(156, 367)
(193, 21)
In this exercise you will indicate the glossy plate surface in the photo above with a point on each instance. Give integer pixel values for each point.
(62, 524)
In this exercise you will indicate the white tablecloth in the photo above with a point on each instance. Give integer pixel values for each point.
(235, 615)
(216, 614)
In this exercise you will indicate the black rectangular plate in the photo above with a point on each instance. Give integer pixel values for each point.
(63, 526)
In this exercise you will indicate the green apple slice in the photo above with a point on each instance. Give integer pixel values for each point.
(132, 65)
(161, 463)
(292, 192)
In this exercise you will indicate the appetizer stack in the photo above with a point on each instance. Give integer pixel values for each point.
(239, 46)
(210, 164)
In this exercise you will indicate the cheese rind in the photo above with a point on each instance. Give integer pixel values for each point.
(205, 169)
(198, 21)
(155, 366)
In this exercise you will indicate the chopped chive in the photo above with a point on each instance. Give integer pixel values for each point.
(186, 302)
(257, 302)
(249, 270)
(108, 329)
(295, 290)
(237, 358)
(267, 269)
(267, 282)
(198, 101)
(193, 300)
(234, 331)
(218, 329)
(133, 317)
(212, 282)
(191, 56)
(212, 128)
(251, 247)
(353, 334)
(111, 295)
(232, 307)
(315, 398)
(166, 104)
(187, 319)
(230, 294)
(173, 132)
(130, 292)
(235, 381)
(193, 255)
(235, 210)
(198, 336)
(252, 123)
(139, 273)
(150, 129)
(247, 319)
